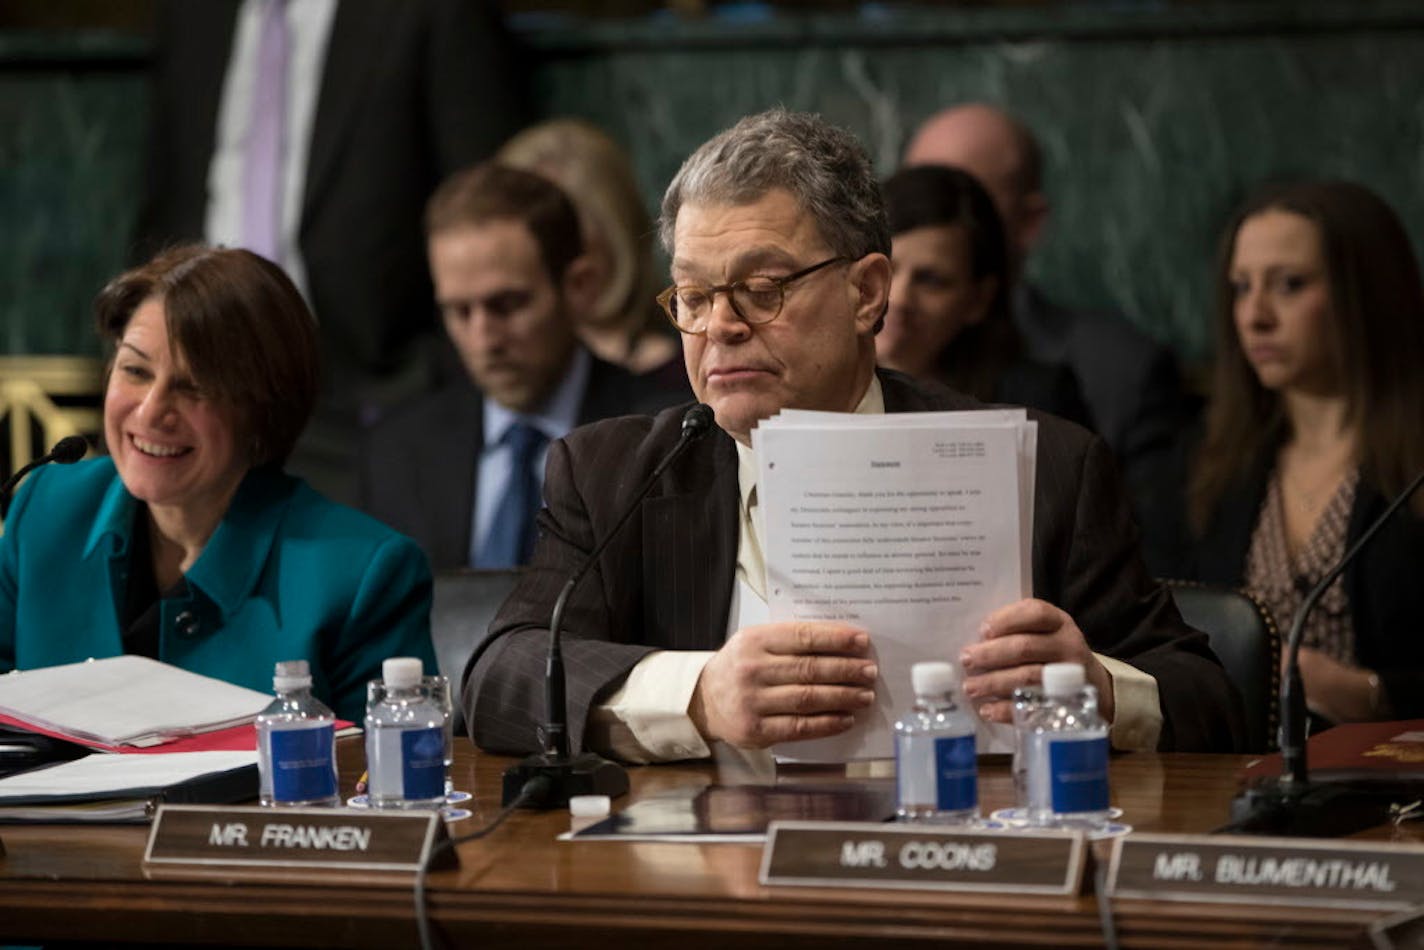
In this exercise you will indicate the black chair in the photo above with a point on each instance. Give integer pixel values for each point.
(1243, 635)
(465, 601)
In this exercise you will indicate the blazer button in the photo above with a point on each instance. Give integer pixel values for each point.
(187, 624)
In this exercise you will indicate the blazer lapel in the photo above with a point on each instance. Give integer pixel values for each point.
(209, 31)
(354, 45)
(690, 534)
(450, 475)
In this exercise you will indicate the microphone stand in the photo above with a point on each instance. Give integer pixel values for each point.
(1293, 804)
(67, 450)
(588, 773)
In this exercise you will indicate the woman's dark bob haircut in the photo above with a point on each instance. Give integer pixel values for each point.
(241, 328)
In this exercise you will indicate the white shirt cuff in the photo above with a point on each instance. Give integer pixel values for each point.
(1137, 712)
(645, 719)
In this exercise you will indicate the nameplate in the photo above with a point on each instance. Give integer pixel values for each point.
(296, 838)
(922, 857)
(1363, 875)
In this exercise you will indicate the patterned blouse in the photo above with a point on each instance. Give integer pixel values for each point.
(1281, 581)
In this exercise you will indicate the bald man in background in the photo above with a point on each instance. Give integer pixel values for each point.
(1130, 381)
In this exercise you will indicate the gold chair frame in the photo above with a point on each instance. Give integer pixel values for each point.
(28, 388)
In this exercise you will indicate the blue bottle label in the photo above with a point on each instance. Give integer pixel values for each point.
(956, 773)
(1078, 774)
(302, 768)
(423, 763)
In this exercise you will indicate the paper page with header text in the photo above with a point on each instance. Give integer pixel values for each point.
(913, 526)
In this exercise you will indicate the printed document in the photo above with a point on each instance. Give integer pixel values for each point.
(914, 526)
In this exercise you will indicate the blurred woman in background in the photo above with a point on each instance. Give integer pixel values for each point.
(188, 543)
(949, 301)
(1316, 421)
(625, 325)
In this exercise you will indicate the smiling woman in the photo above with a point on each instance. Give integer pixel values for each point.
(189, 543)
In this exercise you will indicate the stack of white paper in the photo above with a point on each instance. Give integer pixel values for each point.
(126, 700)
(101, 788)
(914, 526)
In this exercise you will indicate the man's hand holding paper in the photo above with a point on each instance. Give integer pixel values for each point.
(782, 682)
(1014, 643)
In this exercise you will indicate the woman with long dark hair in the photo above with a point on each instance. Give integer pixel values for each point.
(1316, 421)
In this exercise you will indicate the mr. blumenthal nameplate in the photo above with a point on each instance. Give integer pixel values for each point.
(232, 836)
(1250, 870)
(933, 857)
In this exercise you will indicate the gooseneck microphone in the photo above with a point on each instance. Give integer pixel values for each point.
(1293, 804)
(588, 773)
(66, 451)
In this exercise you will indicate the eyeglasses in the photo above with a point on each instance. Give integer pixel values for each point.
(756, 300)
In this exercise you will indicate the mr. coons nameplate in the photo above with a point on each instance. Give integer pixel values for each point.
(930, 857)
(295, 837)
(1364, 875)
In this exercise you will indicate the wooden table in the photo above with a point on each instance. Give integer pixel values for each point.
(520, 887)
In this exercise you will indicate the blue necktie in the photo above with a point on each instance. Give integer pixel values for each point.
(510, 540)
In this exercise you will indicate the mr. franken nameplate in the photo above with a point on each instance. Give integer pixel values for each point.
(929, 857)
(1242, 870)
(294, 837)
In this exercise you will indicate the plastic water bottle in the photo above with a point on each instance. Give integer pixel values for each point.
(936, 768)
(405, 739)
(1066, 742)
(296, 743)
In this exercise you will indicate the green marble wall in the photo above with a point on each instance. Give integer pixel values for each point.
(72, 126)
(1154, 123)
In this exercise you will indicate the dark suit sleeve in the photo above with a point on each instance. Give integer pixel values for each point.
(1100, 580)
(503, 690)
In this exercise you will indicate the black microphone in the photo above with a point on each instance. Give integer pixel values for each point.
(67, 450)
(1293, 804)
(589, 773)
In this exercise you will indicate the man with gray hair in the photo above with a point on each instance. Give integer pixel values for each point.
(779, 249)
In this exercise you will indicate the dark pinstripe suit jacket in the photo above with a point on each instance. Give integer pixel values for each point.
(665, 581)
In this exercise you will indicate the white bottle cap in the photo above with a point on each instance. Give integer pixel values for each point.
(934, 678)
(291, 674)
(590, 806)
(1062, 679)
(585, 810)
(402, 672)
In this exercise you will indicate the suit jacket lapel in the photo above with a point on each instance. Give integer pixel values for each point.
(449, 474)
(903, 394)
(209, 33)
(355, 42)
(690, 533)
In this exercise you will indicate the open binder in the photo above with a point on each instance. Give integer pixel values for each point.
(110, 788)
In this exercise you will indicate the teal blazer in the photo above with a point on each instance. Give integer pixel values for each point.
(287, 575)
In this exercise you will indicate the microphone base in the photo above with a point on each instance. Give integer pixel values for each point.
(1319, 809)
(587, 774)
